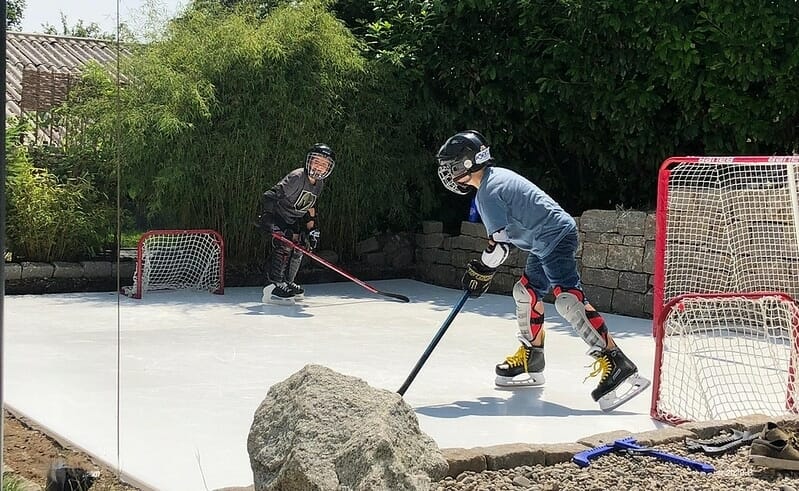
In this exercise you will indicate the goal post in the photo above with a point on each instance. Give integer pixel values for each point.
(726, 271)
(722, 356)
(179, 259)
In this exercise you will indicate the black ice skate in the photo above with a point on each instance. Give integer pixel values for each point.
(615, 370)
(277, 293)
(296, 290)
(522, 369)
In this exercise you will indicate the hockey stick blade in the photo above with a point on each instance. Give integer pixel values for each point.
(322, 261)
(396, 296)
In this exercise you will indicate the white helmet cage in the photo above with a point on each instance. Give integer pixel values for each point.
(460, 155)
(319, 155)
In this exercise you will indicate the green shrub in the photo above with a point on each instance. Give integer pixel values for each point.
(49, 218)
(228, 102)
(13, 482)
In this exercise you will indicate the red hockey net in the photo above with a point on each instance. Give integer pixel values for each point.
(179, 259)
(725, 225)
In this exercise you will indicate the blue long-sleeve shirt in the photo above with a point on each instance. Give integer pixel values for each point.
(533, 221)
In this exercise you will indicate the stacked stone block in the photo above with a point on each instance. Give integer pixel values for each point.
(615, 258)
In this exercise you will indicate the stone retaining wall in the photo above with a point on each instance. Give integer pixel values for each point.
(59, 277)
(382, 256)
(511, 455)
(615, 258)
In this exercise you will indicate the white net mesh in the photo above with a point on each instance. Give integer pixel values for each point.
(179, 259)
(731, 226)
(725, 225)
(724, 357)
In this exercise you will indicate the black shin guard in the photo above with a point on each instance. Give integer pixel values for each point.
(294, 265)
(279, 260)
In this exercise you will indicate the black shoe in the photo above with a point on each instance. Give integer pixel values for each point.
(277, 293)
(295, 289)
(613, 368)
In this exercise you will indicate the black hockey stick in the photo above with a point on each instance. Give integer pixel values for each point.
(433, 343)
(284, 239)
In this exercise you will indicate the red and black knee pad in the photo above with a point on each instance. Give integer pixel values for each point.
(574, 291)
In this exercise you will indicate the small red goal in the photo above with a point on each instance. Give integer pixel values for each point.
(179, 259)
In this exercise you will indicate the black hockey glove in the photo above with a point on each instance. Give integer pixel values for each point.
(477, 278)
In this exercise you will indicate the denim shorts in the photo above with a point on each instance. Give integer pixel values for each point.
(559, 268)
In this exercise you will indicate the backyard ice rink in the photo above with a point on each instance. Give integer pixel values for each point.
(195, 366)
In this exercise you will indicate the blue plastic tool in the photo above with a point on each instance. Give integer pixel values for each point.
(582, 459)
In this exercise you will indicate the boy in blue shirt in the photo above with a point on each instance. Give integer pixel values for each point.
(518, 213)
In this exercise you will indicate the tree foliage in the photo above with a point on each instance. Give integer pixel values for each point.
(14, 13)
(227, 103)
(52, 217)
(90, 30)
(588, 97)
(584, 97)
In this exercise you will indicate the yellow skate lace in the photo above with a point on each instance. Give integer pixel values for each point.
(518, 358)
(601, 367)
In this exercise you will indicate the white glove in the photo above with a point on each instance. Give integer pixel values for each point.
(495, 254)
(500, 236)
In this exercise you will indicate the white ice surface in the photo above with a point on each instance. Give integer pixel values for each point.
(195, 366)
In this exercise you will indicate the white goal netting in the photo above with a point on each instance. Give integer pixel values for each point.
(728, 224)
(179, 259)
(725, 225)
(726, 356)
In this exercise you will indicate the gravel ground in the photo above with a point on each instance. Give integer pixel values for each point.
(618, 471)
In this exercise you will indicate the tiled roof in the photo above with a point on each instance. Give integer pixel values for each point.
(43, 59)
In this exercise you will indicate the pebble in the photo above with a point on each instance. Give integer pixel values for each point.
(632, 472)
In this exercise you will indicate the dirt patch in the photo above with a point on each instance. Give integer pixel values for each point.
(30, 453)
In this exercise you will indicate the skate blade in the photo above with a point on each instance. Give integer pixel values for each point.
(520, 381)
(611, 401)
(277, 301)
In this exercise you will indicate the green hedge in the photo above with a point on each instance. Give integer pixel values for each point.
(584, 97)
(588, 97)
(51, 217)
(227, 103)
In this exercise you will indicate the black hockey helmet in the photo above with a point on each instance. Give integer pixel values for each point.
(320, 161)
(463, 153)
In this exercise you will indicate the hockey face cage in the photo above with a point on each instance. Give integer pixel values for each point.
(450, 170)
(319, 165)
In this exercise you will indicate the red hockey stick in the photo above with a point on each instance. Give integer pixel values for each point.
(282, 238)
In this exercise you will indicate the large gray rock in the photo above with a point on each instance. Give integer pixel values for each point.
(321, 430)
